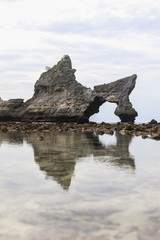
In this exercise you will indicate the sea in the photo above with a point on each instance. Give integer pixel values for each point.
(75, 186)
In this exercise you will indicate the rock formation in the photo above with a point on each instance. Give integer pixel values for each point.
(59, 97)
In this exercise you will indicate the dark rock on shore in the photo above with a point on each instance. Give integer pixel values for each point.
(58, 97)
(146, 130)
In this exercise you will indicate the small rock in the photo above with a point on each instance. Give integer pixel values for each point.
(155, 136)
(153, 121)
(100, 132)
(144, 136)
(129, 127)
(4, 129)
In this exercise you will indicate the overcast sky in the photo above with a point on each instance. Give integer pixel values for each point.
(106, 40)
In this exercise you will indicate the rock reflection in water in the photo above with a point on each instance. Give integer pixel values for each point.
(119, 152)
(56, 154)
(12, 138)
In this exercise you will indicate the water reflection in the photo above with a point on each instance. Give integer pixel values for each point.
(119, 152)
(57, 154)
(105, 200)
(12, 138)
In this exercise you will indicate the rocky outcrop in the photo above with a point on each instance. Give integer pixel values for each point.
(7, 108)
(58, 97)
(118, 92)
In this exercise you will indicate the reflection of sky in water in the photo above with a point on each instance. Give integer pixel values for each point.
(74, 186)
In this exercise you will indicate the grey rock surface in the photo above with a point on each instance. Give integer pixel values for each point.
(59, 97)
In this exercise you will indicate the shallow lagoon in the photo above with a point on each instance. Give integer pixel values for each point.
(79, 186)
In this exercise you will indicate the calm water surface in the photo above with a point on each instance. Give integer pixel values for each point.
(79, 186)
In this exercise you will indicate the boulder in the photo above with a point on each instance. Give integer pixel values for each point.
(58, 97)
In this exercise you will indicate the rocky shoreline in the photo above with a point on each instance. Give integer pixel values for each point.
(145, 130)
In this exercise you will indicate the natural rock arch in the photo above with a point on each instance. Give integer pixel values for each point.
(116, 92)
(59, 97)
(105, 114)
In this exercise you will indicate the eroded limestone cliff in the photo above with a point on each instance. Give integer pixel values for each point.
(59, 97)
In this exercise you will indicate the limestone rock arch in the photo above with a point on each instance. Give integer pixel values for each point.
(58, 97)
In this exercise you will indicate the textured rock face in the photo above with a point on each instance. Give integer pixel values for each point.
(8, 108)
(118, 92)
(59, 97)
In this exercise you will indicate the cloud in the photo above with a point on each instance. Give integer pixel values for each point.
(107, 40)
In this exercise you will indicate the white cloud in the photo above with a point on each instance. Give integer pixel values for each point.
(106, 39)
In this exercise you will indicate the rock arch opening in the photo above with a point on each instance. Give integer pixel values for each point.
(105, 113)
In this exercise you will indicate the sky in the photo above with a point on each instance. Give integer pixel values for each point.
(106, 40)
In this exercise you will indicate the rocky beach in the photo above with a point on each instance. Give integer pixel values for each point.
(145, 130)
(61, 104)
(63, 175)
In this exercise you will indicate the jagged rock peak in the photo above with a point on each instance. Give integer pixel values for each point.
(60, 74)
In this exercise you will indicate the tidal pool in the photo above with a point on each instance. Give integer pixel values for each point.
(79, 186)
